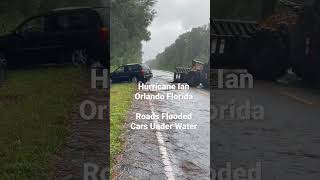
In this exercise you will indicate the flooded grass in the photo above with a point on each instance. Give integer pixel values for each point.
(34, 109)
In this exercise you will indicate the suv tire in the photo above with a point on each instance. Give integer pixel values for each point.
(134, 80)
(3, 60)
(80, 57)
(270, 60)
(193, 79)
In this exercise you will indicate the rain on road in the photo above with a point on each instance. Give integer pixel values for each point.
(171, 153)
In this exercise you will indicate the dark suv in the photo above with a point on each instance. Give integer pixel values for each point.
(77, 35)
(132, 73)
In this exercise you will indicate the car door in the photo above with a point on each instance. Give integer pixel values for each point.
(117, 75)
(52, 42)
(41, 43)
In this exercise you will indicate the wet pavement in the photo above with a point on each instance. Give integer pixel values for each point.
(170, 153)
(286, 141)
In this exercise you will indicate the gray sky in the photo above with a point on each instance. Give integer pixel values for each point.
(174, 17)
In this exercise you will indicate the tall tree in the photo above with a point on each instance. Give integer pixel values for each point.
(129, 22)
(193, 45)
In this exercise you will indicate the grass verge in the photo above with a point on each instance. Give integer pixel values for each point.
(34, 110)
(121, 98)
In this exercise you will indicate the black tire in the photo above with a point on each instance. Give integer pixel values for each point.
(134, 80)
(270, 59)
(311, 74)
(305, 39)
(193, 79)
(80, 58)
(205, 84)
(3, 60)
(298, 71)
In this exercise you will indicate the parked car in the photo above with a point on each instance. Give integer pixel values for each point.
(77, 35)
(132, 73)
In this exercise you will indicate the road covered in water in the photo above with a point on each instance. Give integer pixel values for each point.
(268, 131)
(168, 134)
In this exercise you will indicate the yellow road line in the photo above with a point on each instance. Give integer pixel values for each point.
(292, 96)
(203, 92)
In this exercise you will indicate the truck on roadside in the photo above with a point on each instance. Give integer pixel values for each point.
(194, 76)
(286, 36)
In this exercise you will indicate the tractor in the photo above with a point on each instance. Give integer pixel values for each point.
(284, 36)
(194, 76)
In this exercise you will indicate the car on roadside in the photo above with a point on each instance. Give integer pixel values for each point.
(132, 73)
(77, 35)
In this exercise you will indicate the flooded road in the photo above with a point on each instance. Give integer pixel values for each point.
(285, 143)
(171, 153)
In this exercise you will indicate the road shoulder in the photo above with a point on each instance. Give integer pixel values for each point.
(87, 143)
(141, 157)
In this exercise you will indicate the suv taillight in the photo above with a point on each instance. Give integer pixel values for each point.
(142, 72)
(103, 33)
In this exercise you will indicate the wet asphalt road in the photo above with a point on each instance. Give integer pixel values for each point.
(188, 151)
(286, 141)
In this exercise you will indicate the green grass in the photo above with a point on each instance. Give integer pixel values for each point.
(34, 110)
(121, 99)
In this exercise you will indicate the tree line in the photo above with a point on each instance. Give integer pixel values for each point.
(129, 22)
(193, 45)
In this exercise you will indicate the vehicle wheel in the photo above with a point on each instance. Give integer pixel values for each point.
(205, 84)
(3, 60)
(193, 79)
(134, 80)
(305, 43)
(270, 61)
(80, 58)
(310, 74)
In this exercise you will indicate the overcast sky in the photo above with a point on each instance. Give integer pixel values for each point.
(174, 17)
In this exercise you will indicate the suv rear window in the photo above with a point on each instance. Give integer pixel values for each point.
(145, 66)
(133, 67)
(104, 14)
(79, 20)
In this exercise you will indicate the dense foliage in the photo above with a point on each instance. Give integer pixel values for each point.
(129, 22)
(193, 45)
